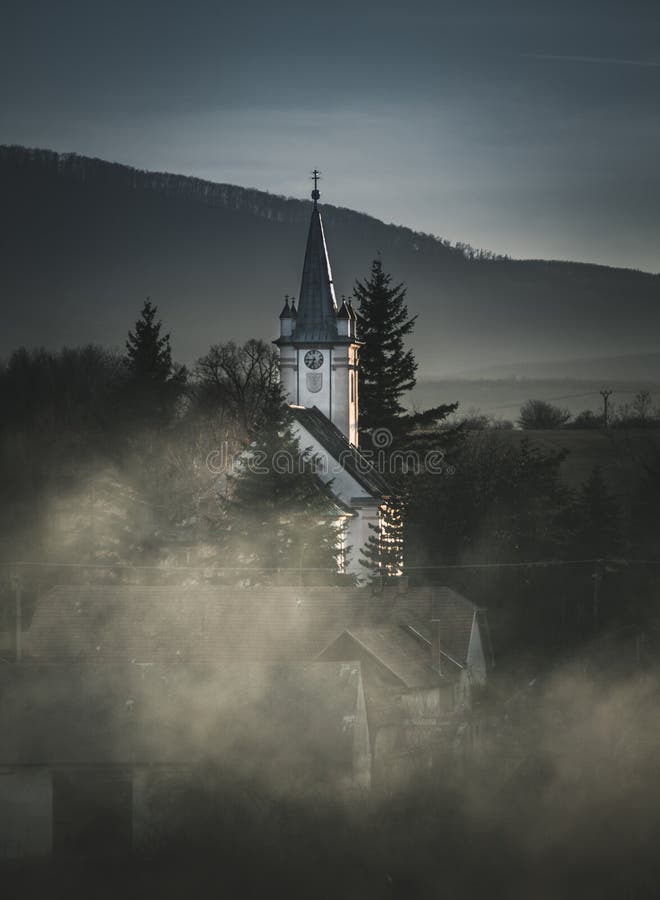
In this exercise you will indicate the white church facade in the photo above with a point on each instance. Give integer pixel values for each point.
(319, 359)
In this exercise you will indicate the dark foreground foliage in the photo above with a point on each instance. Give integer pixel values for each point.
(435, 839)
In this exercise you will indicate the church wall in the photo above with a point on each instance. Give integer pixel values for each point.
(328, 388)
(315, 385)
(358, 532)
(289, 373)
(350, 492)
(344, 393)
(340, 401)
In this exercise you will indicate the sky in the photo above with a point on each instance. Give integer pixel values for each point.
(528, 128)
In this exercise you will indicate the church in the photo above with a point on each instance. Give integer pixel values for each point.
(319, 359)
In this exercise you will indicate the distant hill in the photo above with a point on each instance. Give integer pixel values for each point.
(83, 241)
(644, 367)
(501, 398)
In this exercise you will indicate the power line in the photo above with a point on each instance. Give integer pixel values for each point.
(557, 399)
(529, 564)
(547, 400)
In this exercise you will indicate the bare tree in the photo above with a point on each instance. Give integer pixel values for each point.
(641, 407)
(541, 414)
(238, 379)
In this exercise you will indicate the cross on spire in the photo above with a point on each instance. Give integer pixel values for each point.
(316, 193)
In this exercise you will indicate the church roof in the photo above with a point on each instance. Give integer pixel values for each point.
(317, 307)
(339, 447)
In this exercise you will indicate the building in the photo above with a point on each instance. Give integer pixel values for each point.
(95, 756)
(319, 359)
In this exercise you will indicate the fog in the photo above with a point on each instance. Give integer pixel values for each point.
(197, 709)
(555, 796)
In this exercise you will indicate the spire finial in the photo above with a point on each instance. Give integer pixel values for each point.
(316, 193)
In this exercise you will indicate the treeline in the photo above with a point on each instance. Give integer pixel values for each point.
(640, 413)
(128, 465)
(492, 516)
(81, 169)
(103, 454)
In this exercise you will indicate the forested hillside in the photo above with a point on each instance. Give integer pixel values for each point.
(83, 241)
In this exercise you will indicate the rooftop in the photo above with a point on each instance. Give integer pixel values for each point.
(159, 625)
(339, 447)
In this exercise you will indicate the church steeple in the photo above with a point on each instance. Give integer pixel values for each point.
(317, 342)
(317, 306)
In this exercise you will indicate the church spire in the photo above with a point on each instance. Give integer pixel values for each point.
(317, 307)
(316, 194)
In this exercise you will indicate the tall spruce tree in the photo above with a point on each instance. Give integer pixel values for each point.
(382, 554)
(148, 352)
(387, 368)
(388, 372)
(598, 523)
(644, 514)
(279, 521)
(155, 382)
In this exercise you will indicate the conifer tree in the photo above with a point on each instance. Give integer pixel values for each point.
(644, 513)
(387, 368)
(383, 552)
(278, 518)
(598, 518)
(155, 383)
(388, 372)
(148, 352)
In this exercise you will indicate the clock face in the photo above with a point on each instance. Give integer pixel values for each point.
(313, 359)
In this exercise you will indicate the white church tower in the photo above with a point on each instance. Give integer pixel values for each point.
(318, 370)
(317, 342)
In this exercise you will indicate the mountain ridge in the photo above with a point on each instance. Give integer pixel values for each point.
(85, 240)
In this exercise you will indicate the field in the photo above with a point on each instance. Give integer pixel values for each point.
(620, 453)
(502, 398)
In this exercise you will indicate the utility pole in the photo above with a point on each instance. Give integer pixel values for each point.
(605, 394)
(302, 552)
(598, 580)
(18, 617)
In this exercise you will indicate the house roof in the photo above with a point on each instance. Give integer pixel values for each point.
(450, 611)
(340, 449)
(164, 623)
(228, 625)
(249, 715)
(393, 647)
